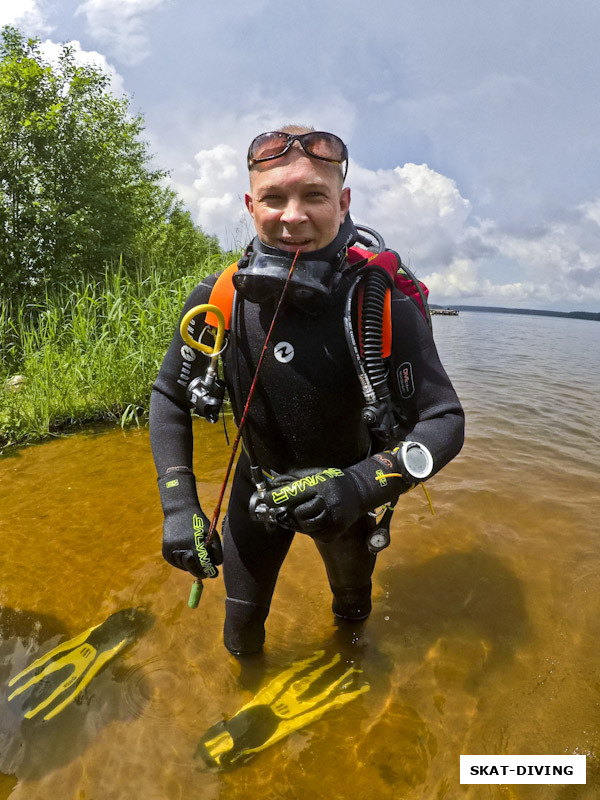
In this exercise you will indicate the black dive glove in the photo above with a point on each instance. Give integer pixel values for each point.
(328, 502)
(186, 527)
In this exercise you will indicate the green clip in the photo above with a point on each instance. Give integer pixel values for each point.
(195, 594)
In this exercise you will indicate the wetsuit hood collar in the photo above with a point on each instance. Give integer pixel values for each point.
(345, 237)
(263, 271)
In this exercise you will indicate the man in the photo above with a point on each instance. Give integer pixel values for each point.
(306, 414)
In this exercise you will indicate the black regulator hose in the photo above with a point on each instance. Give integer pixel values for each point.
(376, 284)
(380, 414)
(365, 383)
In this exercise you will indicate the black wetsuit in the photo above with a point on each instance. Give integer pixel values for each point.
(305, 415)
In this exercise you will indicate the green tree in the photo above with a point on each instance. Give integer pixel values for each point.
(76, 186)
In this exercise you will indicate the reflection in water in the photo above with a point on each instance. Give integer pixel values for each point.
(483, 637)
(464, 596)
(58, 677)
(21, 634)
(32, 740)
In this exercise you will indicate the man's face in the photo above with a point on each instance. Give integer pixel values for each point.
(297, 202)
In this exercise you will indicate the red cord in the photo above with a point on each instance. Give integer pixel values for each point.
(217, 511)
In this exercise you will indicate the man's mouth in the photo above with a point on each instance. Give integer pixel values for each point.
(293, 244)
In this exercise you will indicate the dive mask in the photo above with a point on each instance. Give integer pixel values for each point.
(263, 271)
(265, 276)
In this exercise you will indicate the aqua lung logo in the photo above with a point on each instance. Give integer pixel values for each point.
(187, 353)
(188, 356)
(283, 352)
(406, 384)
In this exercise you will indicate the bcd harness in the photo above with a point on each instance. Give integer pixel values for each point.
(223, 291)
(374, 276)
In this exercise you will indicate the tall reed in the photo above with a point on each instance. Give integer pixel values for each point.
(90, 351)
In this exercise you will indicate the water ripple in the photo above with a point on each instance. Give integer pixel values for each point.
(152, 689)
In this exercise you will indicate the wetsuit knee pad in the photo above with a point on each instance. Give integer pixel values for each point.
(352, 604)
(244, 631)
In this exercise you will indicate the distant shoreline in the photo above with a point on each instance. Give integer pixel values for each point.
(530, 311)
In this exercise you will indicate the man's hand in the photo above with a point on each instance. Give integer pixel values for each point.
(328, 502)
(186, 527)
(322, 505)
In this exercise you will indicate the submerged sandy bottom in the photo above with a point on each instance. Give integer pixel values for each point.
(483, 637)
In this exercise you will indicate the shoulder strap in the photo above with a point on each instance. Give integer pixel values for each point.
(222, 296)
(223, 291)
(403, 280)
(387, 260)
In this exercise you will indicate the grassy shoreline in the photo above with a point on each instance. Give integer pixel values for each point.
(90, 352)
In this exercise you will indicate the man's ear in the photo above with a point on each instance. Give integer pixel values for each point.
(344, 203)
(249, 204)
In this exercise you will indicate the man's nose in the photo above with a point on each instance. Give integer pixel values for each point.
(293, 213)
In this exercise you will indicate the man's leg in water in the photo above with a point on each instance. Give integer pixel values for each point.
(252, 558)
(349, 565)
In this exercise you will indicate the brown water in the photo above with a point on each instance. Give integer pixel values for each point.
(483, 638)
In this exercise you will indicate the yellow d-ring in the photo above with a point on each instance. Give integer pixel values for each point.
(204, 348)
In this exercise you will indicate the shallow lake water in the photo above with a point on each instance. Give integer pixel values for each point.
(483, 637)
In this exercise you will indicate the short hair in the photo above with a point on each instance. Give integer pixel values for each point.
(293, 128)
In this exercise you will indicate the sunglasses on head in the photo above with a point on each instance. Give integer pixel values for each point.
(316, 144)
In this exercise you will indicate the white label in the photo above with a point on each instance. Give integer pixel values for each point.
(522, 769)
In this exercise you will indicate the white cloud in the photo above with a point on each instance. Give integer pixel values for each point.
(118, 25)
(591, 211)
(462, 282)
(558, 266)
(422, 214)
(562, 261)
(417, 210)
(219, 194)
(26, 14)
(51, 51)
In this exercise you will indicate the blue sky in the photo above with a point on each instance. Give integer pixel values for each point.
(473, 126)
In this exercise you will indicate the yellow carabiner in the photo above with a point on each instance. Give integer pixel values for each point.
(214, 351)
